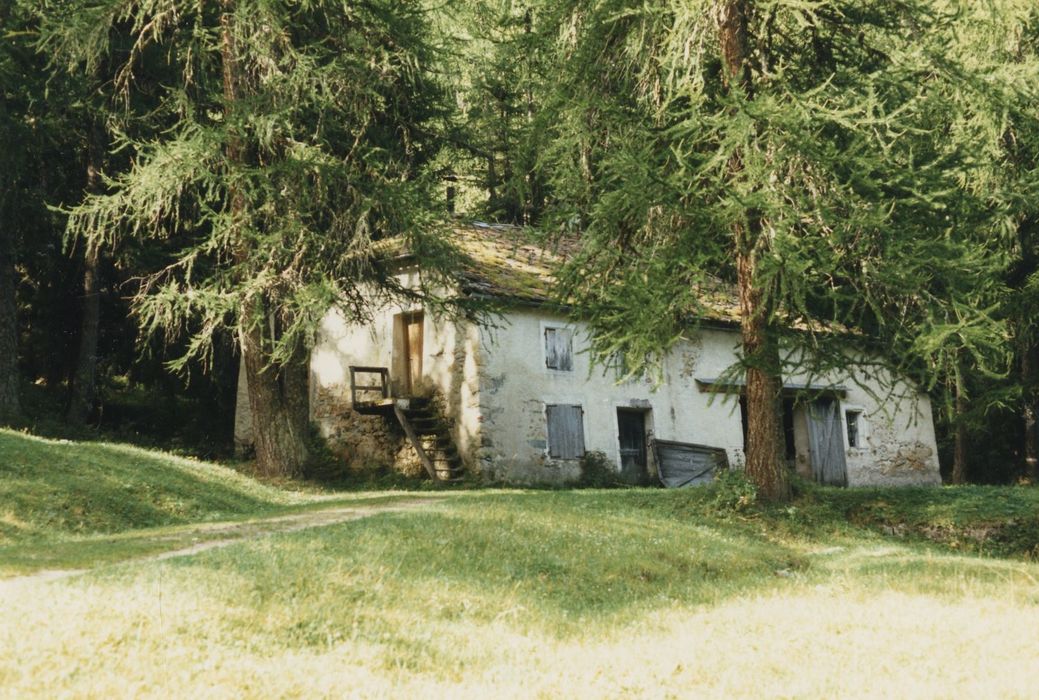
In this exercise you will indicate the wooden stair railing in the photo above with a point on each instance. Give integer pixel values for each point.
(383, 387)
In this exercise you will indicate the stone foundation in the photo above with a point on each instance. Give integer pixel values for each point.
(899, 464)
(364, 442)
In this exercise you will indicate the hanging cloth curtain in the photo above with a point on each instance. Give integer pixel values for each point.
(826, 442)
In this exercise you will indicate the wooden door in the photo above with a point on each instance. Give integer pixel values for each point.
(631, 431)
(826, 442)
(413, 351)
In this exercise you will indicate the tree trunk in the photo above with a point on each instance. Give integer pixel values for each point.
(277, 394)
(10, 406)
(84, 381)
(764, 466)
(959, 454)
(1030, 411)
(277, 402)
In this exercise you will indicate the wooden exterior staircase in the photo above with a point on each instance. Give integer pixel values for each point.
(426, 429)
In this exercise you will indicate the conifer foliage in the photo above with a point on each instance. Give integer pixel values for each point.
(290, 140)
(813, 155)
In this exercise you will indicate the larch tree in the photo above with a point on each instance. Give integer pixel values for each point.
(999, 45)
(287, 158)
(84, 377)
(1014, 180)
(805, 155)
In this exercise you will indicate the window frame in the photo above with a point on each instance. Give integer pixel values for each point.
(861, 426)
(547, 326)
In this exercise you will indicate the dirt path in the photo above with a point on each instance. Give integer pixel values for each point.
(230, 533)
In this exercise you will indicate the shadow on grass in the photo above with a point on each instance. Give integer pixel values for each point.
(543, 558)
(999, 521)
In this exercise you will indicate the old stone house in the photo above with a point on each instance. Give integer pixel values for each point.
(515, 399)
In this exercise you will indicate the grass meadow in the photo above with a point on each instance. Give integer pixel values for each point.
(584, 593)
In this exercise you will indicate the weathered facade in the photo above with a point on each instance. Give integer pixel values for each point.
(524, 405)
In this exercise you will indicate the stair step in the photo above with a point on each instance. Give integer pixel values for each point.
(431, 434)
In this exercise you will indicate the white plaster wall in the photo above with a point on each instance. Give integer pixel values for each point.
(898, 445)
(897, 427)
(449, 363)
(897, 442)
(516, 385)
(496, 385)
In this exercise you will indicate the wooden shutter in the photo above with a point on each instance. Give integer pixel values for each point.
(565, 431)
(559, 349)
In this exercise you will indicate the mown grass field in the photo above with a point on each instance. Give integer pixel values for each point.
(631, 593)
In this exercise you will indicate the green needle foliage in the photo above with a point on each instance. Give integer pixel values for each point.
(286, 155)
(845, 161)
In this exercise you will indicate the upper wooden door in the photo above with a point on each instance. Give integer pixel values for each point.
(412, 347)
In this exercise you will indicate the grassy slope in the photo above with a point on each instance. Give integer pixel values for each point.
(567, 593)
(50, 489)
(626, 593)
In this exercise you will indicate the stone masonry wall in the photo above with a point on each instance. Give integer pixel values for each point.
(363, 442)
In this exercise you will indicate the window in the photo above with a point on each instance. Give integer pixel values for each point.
(853, 420)
(623, 371)
(565, 431)
(559, 349)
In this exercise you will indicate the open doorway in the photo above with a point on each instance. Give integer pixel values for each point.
(790, 410)
(631, 433)
(811, 434)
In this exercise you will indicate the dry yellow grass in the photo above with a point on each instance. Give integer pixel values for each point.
(150, 637)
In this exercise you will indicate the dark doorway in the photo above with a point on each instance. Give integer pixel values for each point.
(631, 431)
(789, 445)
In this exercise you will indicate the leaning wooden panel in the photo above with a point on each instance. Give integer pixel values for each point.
(687, 464)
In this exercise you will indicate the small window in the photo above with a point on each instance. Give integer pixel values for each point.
(559, 349)
(853, 418)
(565, 431)
(622, 370)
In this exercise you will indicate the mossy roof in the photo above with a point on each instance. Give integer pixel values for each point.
(512, 263)
(509, 262)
